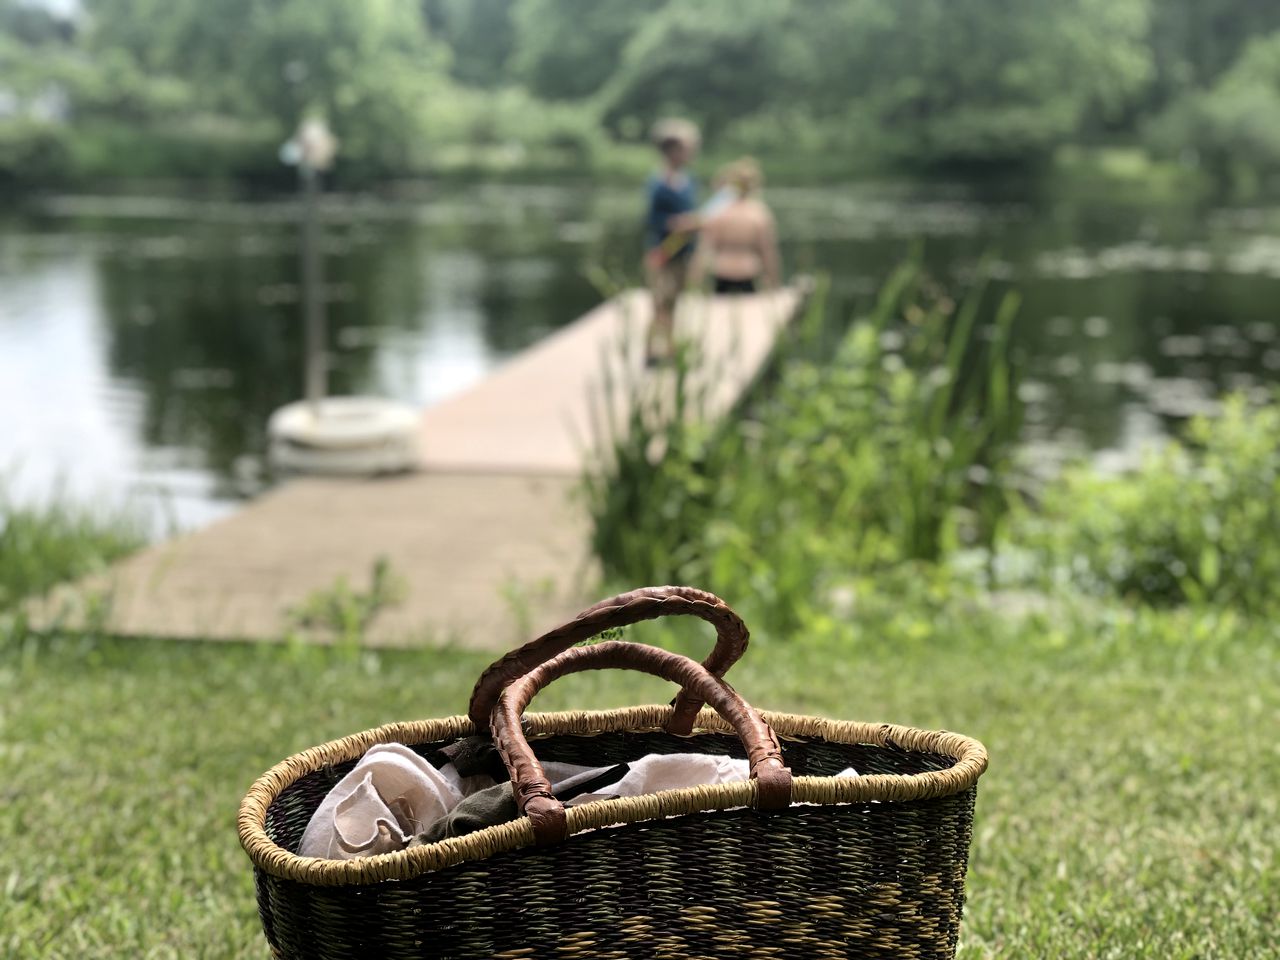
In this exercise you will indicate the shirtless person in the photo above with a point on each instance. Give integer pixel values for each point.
(739, 241)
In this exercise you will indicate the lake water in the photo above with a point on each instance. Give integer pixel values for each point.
(144, 342)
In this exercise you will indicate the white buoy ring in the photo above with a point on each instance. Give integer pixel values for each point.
(345, 436)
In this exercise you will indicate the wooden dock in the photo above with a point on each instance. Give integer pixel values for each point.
(488, 541)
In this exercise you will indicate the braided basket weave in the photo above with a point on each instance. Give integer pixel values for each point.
(793, 863)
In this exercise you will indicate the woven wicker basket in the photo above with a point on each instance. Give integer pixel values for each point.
(870, 866)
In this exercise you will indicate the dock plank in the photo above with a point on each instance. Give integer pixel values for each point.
(533, 415)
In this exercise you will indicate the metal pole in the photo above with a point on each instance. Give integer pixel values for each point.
(316, 372)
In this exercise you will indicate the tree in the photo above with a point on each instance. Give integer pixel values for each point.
(480, 34)
(568, 49)
(717, 61)
(36, 56)
(940, 80)
(931, 80)
(1194, 41)
(1234, 126)
(33, 25)
(366, 67)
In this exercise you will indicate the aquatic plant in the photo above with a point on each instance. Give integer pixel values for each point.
(892, 446)
(342, 613)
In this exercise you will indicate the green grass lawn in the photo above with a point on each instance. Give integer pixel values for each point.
(1132, 807)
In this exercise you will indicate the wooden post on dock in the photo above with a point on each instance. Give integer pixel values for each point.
(316, 372)
(314, 147)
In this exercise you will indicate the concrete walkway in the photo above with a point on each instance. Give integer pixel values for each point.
(488, 542)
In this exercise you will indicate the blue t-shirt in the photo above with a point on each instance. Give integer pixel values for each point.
(664, 201)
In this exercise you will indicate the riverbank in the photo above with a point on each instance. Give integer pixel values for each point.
(249, 170)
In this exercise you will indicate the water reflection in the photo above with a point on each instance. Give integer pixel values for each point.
(144, 343)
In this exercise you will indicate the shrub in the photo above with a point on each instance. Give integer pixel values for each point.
(1234, 126)
(507, 127)
(889, 449)
(1198, 521)
(32, 150)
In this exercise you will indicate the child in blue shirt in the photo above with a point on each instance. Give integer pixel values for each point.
(670, 231)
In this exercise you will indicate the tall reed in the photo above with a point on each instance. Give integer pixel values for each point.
(893, 446)
(43, 545)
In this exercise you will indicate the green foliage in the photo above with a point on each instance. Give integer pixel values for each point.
(927, 82)
(342, 613)
(1195, 41)
(1002, 82)
(1197, 521)
(718, 61)
(41, 546)
(197, 146)
(833, 87)
(32, 148)
(282, 60)
(891, 449)
(30, 24)
(507, 127)
(1233, 127)
(480, 36)
(568, 50)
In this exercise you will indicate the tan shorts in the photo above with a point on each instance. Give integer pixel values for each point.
(667, 282)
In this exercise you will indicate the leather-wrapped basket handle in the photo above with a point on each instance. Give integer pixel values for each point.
(647, 603)
(529, 781)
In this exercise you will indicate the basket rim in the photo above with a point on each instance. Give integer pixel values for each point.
(970, 758)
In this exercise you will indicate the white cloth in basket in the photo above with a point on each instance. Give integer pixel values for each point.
(670, 771)
(389, 796)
